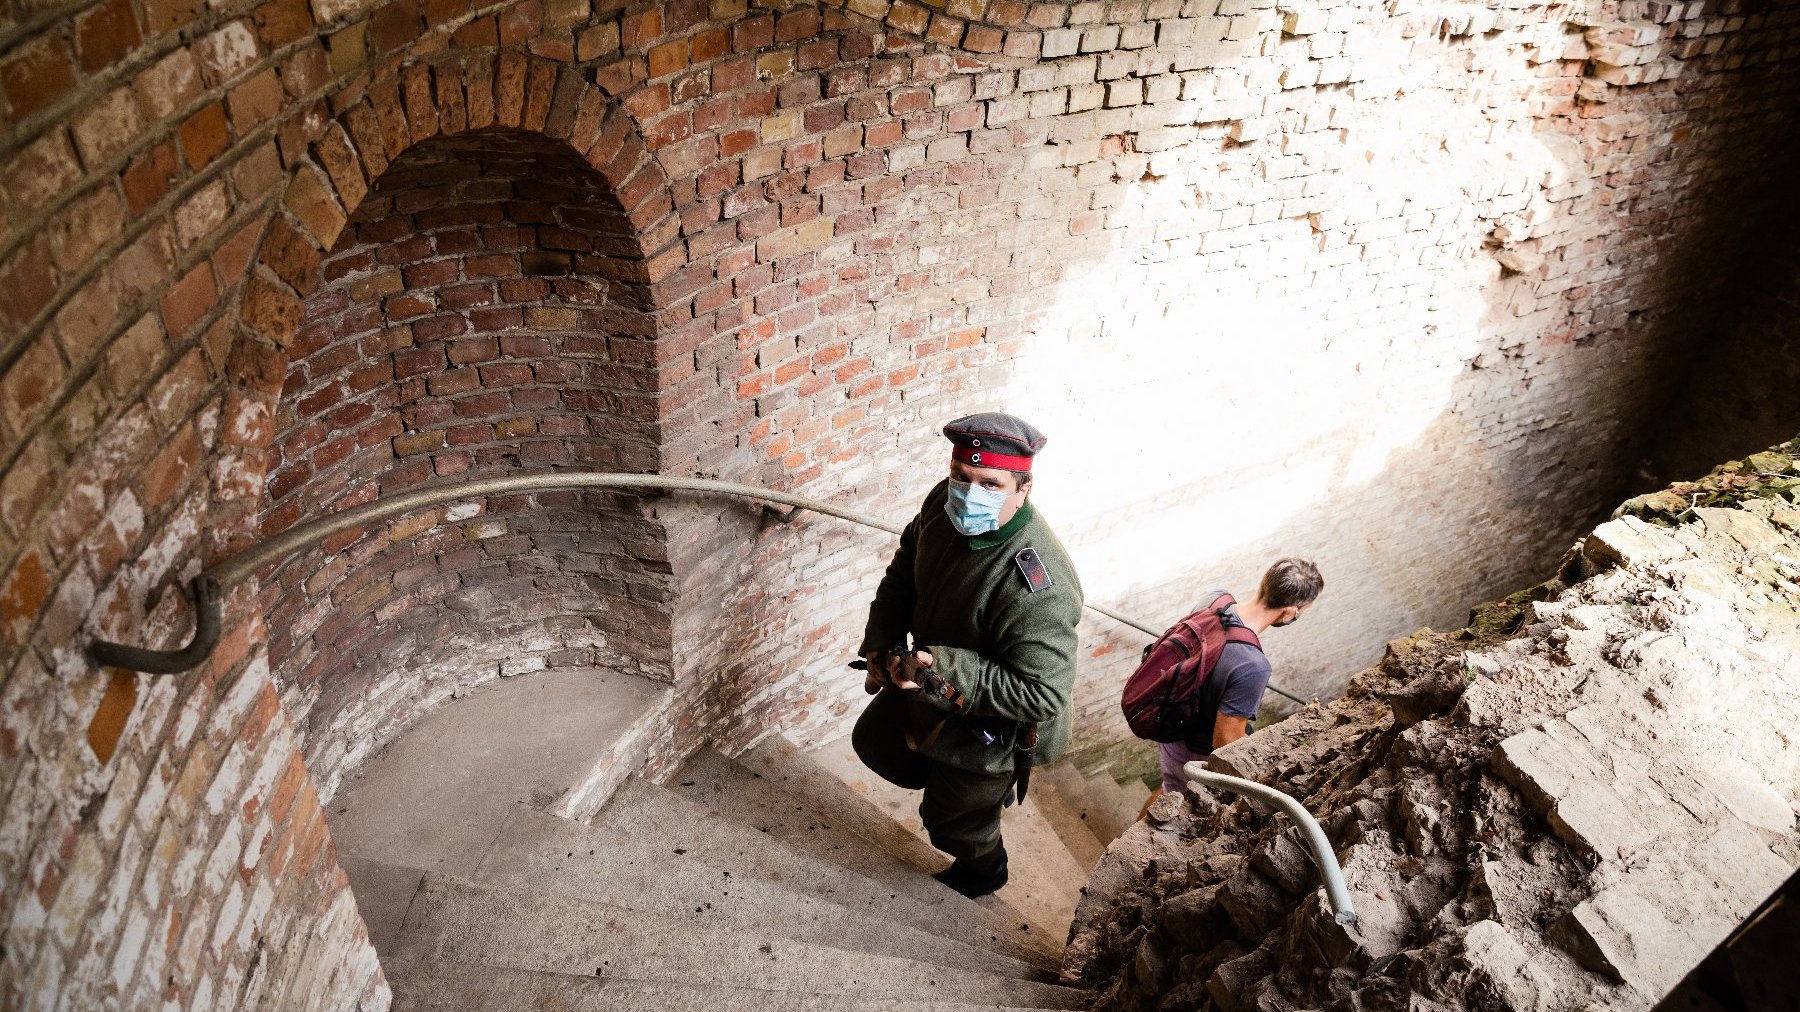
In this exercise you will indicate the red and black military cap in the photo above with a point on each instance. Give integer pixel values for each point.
(993, 439)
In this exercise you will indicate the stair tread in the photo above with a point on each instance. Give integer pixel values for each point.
(1044, 881)
(666, 818)
(1098, 814)
(383, 893)
(594, 863)
(1065, 818)
(457, 921)
(832, 822)
(480, 988)
(1114, 806)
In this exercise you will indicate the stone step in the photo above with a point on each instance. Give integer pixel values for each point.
(1071, 786)
(457, 922)
(438, 795)
(1114, 806)
(851, 877)
(383, 893)
(1066, 819)
(1044, 879)
(834, 823)
(478, 988)
(540, 851)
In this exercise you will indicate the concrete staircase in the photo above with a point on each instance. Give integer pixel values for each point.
(778, 880)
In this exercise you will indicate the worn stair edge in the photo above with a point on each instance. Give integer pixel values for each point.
(646, 811)
(481, 988)
(587, 862)
(458, 921)
(1044, 881)
(835, 824)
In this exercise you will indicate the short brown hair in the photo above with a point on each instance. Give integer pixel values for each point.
(1290, 583)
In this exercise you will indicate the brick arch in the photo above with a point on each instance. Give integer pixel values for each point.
(482, 307)
(451, 95)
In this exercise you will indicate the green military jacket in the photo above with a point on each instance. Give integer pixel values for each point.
(1008, 648)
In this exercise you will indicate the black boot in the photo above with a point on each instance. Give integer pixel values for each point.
(976, 876)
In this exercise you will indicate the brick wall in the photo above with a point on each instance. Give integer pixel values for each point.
(472, 322)
(1396, 286)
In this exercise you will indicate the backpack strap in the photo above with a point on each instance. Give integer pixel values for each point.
(1242, 634)
(1235, 629)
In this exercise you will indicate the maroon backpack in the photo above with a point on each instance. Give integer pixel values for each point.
(1163, 695)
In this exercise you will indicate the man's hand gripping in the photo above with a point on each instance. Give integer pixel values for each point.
(898, 667)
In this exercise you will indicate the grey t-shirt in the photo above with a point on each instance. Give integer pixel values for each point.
(1234, 688)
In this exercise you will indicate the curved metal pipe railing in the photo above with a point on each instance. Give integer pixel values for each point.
(207, 590)
(1323, 856)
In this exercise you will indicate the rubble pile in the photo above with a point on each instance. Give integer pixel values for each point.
(1566, 804)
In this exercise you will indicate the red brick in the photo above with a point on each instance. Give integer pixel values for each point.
(394, 25)
(189, 299)
(171, 467)
(520, 22)
(291, 255)
(22, 597)
(28, 277)
(421, 108)
(255, 101)
(306, 70)
(540, 89)
(482, 33)
(310, 200)
(269, 310)
(279, 22)
(149, 176)
(162, 16)
(36, 75)
(640, 29)
(106, 33)
(438, 12)
(205, 135)
(233, 256)
(945, 31)
(509, 89)
(668, 57)
(31, 383)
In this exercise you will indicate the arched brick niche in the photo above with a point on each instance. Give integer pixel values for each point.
(475, 318)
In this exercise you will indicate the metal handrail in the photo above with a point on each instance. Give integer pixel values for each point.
(1323, 856)
(228, 573)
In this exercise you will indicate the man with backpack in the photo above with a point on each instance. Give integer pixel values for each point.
(1199, 685)
(971, 646)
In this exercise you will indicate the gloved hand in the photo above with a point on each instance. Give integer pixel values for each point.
(906, 671)
(875, 675)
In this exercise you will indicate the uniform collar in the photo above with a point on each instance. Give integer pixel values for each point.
(1004, 534)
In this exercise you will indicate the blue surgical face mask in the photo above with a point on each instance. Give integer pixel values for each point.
(973, 509)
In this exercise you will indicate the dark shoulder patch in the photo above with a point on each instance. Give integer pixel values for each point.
(1036, 576)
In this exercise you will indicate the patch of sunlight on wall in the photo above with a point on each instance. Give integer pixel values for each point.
(1211, 385)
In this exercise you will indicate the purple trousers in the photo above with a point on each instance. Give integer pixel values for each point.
(1174, 755)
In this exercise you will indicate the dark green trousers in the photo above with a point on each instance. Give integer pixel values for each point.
(960, 809)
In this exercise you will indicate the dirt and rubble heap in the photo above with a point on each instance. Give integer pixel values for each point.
(1567, 803)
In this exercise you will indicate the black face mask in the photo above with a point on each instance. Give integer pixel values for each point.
(1290, 621)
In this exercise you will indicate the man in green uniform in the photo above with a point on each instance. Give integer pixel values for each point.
(990, 600)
